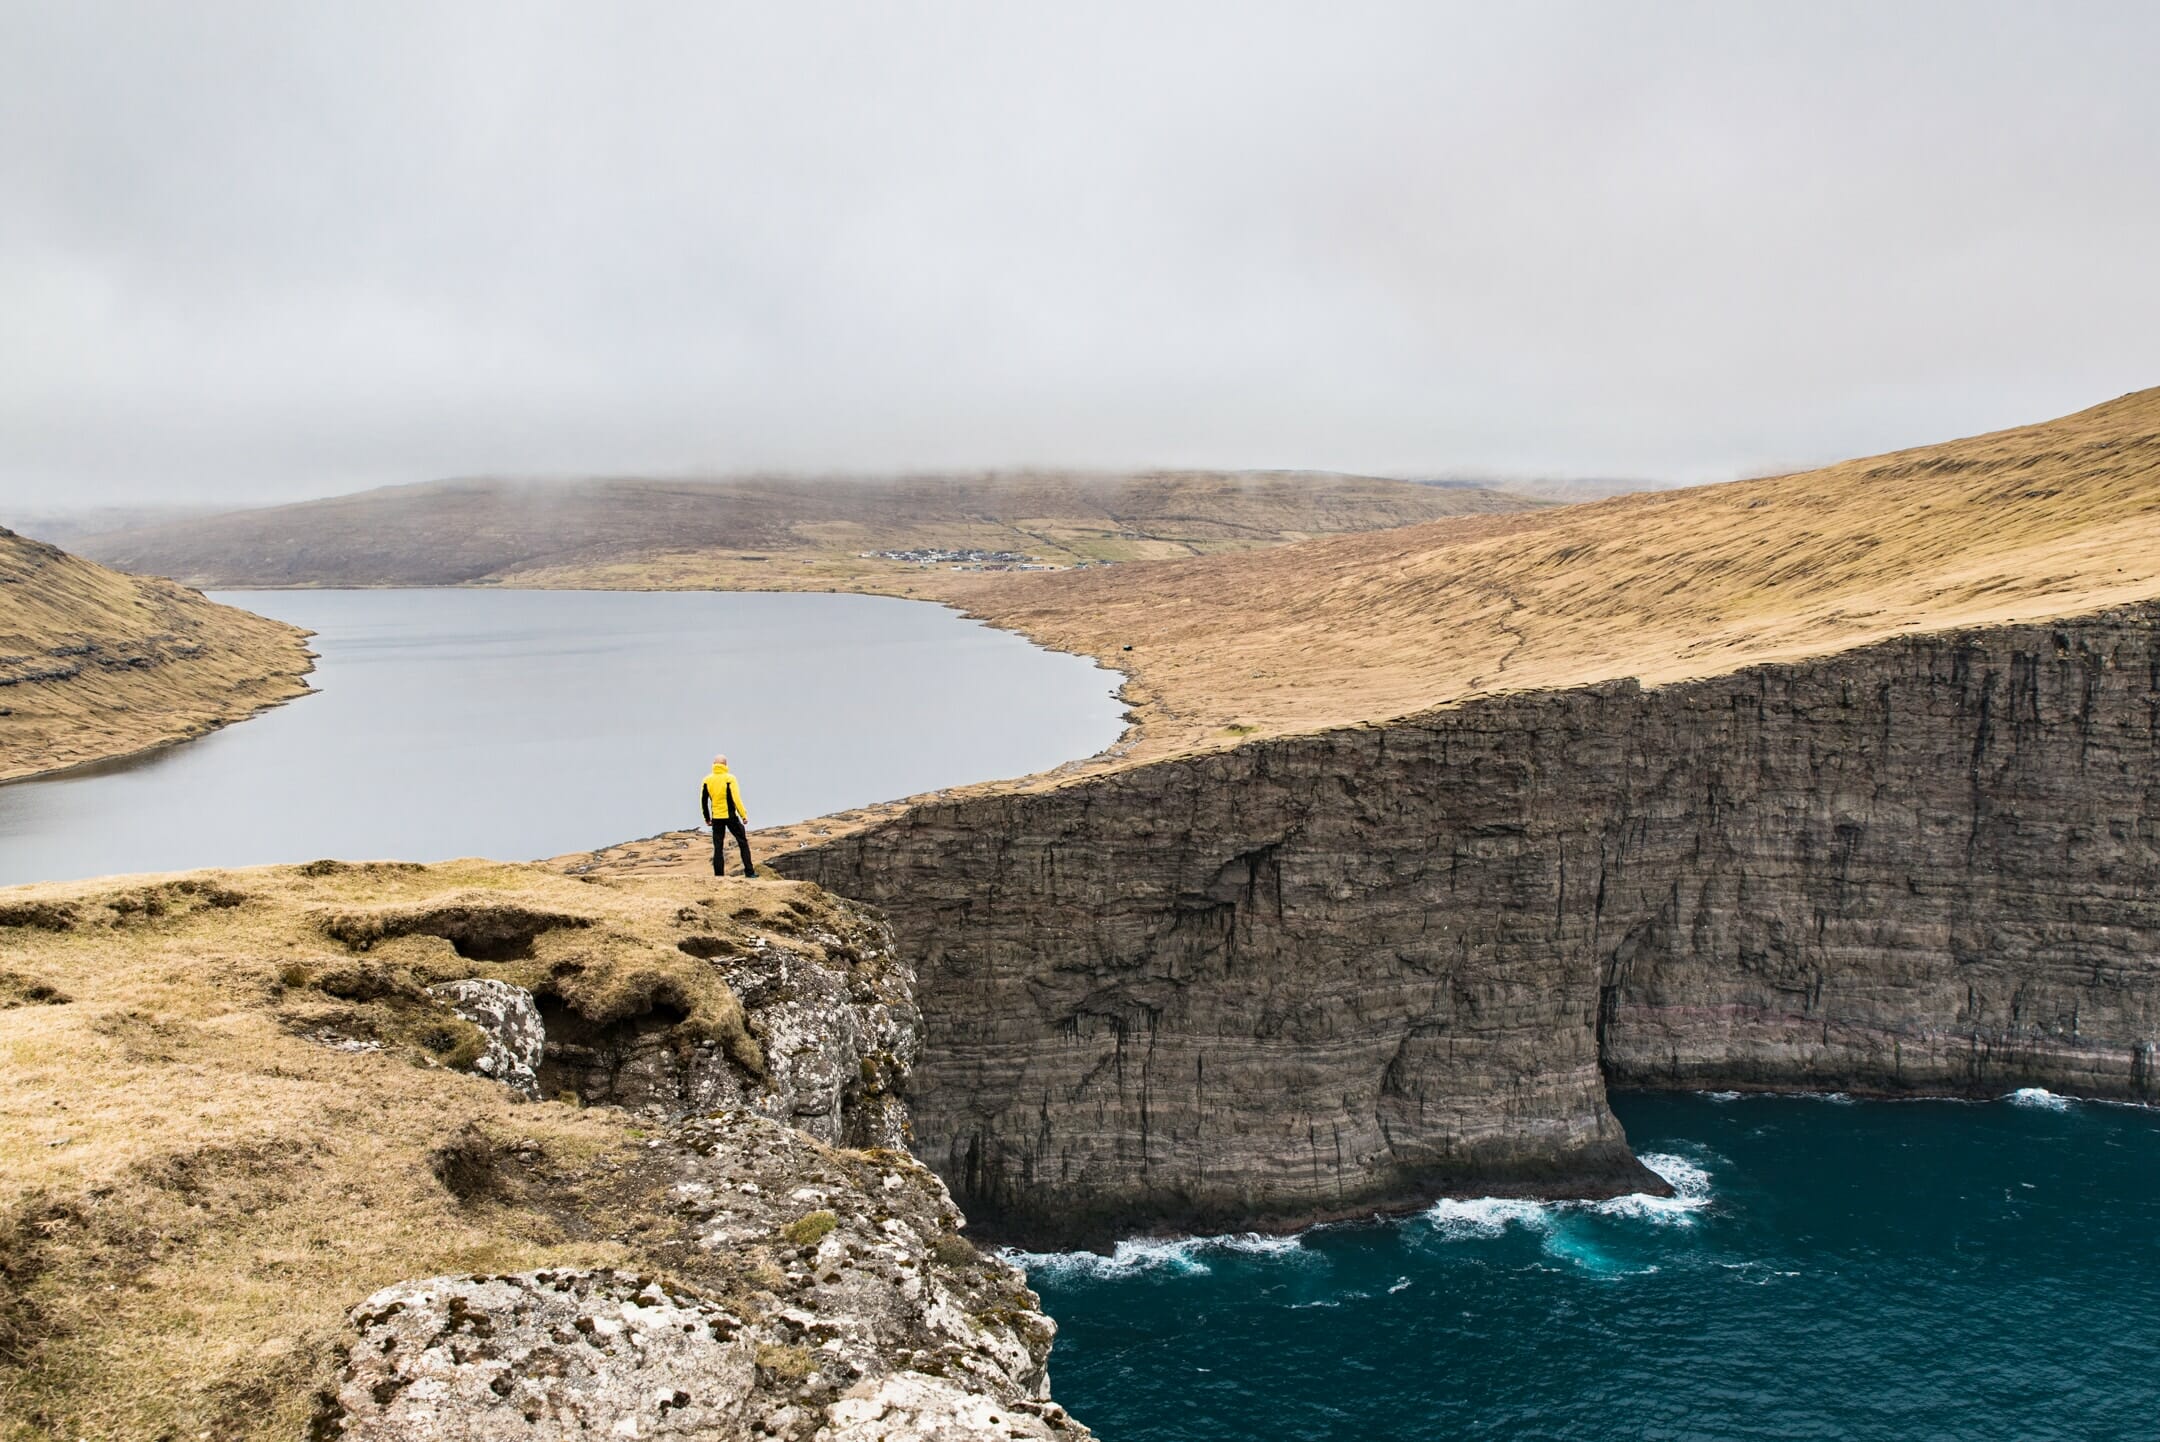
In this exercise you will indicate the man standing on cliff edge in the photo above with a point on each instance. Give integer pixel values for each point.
(721, 800)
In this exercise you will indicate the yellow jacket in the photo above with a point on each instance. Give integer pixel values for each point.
(722, 797)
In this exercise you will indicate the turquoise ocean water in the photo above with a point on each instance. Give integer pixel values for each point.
(1830, 1269)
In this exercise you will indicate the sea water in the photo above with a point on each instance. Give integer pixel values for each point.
(519, 724)
(1826, 1269)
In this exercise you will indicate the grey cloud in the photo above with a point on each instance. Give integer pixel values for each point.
(271, 250)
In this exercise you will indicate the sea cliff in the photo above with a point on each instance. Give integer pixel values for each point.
(1323, 974)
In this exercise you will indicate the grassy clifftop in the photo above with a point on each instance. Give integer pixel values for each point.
(95, 664)
(2043, 520)
(233, 1105)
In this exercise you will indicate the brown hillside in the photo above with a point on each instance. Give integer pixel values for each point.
(763, 532)
(95, 664)
(2043, 520)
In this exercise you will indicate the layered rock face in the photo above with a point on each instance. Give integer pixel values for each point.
(1323, 973)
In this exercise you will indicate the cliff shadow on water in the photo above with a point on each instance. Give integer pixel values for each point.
(1327, 974)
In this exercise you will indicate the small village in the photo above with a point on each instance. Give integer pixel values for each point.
(966, 559)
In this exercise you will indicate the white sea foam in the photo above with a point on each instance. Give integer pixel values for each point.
(1453, 1218)
(1722, 1096)
(1261, 1243)
(1487, 1216)
(1123, 1260)
(1463, 1218)
(2038, 1097)
(1178, 1256)
(1691, 1193)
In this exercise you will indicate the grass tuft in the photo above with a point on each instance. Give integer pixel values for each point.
(810, 1228)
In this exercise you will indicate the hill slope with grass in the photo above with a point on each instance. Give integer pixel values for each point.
(96, 664)
(2043, 520)
(764, 532)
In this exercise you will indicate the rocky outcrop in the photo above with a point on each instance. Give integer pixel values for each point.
(554, 1354)
(831, 1011)
(812, 1279)
(809, 1292)
(816, 1282)
(1330, 972)
(513, 1040)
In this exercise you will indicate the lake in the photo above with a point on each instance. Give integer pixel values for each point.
(521, 724)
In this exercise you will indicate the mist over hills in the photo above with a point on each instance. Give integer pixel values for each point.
(764, 531)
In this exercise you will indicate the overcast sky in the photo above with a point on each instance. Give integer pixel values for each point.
(258, 251)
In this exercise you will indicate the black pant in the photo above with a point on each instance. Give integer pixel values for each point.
(720, 830)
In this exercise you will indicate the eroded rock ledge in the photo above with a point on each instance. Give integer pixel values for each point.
(1326, 973)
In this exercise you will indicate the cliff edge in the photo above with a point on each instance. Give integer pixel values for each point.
(274, 1162)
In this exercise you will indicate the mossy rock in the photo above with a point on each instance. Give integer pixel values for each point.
(810, 1228)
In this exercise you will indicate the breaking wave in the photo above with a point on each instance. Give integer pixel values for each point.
(1467, 1217)
(1452, 1218)
(2038, 1097)
(1486, 1216)
(1691, 1193)
(1176, 1256)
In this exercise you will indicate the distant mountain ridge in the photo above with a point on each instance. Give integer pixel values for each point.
(783, 531)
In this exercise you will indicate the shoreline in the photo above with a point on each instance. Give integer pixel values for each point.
(143, 753)
(298, 689)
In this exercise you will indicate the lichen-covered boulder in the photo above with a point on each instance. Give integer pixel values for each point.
(542, 1355)
(910, 1407)
(510, 1020)
(814, 1293)
(836, 1018)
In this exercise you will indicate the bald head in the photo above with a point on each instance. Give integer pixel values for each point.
(719, 760)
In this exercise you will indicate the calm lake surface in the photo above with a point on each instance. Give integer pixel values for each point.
(529, 723)
(1890, 1271)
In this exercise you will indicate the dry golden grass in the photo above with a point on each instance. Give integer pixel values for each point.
(192, 1192)
(95, 664)
(2043, 520)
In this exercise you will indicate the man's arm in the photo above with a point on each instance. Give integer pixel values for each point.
(735, 808)
(704, 802)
